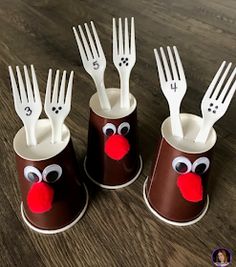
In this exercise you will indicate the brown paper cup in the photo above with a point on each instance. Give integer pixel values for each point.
(53, 198)
(113, 159)
(176, 191)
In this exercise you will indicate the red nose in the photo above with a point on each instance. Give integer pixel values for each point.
(190, 186)
(117, 146)
(40, 197)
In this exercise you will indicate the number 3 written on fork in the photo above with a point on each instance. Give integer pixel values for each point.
(95, 65)
(28, 111)
(173, 86)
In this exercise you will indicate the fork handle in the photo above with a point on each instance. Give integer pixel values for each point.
(204, 131)
(176, 125)
(124, 93)
(102, 95)
(30, 134)
(56, 130)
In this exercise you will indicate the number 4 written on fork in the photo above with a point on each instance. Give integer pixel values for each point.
(173, 86)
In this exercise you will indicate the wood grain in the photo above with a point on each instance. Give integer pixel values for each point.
(117, 229)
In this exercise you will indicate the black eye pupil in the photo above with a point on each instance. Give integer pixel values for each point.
(200, 168)
(109, 132)
(52, 176)
(32, 177)
(181, 167)
(124, 130)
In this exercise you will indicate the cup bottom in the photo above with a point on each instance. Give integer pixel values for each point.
(44, 231)
(114, 186)
(154, 212)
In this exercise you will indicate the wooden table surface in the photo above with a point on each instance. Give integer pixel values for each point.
(118, 229)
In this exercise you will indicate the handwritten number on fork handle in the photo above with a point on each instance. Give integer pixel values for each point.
(173, 87)
(95, 65)
(28, 111)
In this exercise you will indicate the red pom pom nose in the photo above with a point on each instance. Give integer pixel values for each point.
(40, 197)
(190, 186)
(117, 146)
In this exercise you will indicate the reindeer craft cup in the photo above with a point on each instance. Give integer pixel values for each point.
(176, 191)
(113, 159)
(53, 196)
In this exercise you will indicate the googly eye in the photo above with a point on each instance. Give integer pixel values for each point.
(32, 174)
(201, 165)
(123, 128)
(109, 129)
(182, 165)
(52, 173)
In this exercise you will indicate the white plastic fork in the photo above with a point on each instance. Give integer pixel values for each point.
(124, 57)
(215, 103)
(94, 60)
(27, 102)
(57, 106)
(173, 86)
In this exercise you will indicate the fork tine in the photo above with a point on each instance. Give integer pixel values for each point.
(80, 46)
(179, 64)
(69, 90)
(132, 38)
(48, 88)
(21, 86)
(28, 85)
(227, 85)
(172, 63)
(114, 37)
(218, 87)
(159, 67)
(126, 37)
(92, 45)
(166, 67)
(97, 41)
(15, 91)
(121, 50)
(55, 87)
(230, 95)
(35, 85)
(214, 81)
(62, 88)
(86, 45)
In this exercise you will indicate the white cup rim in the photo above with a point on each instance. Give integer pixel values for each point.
(191, 125)
(114, 97)
(44, 150)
